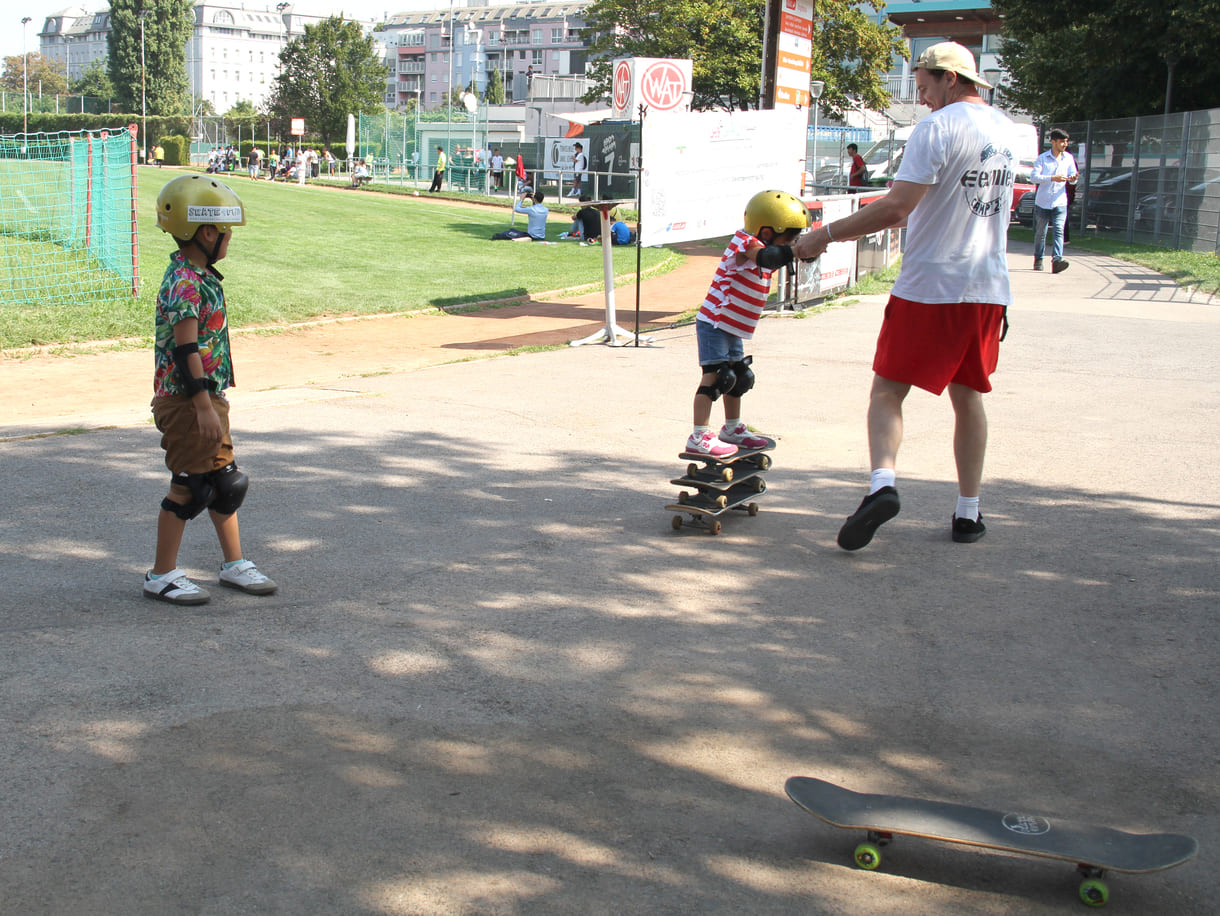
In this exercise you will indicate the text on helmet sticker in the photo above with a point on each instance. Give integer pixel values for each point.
(196, 213)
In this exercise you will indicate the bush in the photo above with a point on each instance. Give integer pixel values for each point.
(177, 150)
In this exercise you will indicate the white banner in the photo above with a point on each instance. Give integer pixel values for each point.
(701, 168)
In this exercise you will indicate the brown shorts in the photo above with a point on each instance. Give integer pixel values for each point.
(185, 451)
(932, 345)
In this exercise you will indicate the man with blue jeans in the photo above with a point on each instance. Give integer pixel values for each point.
(1053, 172)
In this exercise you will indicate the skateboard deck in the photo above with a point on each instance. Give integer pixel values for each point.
(707, 479)
(1094, 850)
(705, 507)
(724, 466)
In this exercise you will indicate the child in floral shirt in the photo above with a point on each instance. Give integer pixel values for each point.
(193, 367)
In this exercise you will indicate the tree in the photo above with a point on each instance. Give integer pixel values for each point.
(243, 116)
(1109, 59)
(168, 25)
(724, 39)
(328, 73)
(495, 88)
(43, 74)
(94, 81)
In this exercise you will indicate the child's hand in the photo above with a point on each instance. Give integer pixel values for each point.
(209, 424)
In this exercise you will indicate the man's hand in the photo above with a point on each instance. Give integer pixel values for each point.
(810, 245)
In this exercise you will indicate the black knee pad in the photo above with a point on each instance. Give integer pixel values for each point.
(230, 485)
(202, 495)
(745, 377)
(725, 380)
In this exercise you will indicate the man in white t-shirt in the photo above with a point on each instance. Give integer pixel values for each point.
(580, 162)
(948, 309)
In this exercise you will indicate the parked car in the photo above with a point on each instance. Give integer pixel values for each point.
(1164, 206)
(1023, 213)
(1109, 199)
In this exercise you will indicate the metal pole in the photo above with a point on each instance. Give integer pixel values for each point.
(143, 90)
(25, 79)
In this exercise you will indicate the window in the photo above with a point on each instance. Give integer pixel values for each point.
(556, 36)
(536, 37)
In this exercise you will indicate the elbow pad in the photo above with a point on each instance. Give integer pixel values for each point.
(191, 386)
(774, 256)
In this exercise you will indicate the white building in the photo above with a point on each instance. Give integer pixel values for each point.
(232, 56)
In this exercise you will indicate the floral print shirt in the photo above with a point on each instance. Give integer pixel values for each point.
(187, 292)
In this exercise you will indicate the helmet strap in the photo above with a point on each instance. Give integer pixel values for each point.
(210, 256)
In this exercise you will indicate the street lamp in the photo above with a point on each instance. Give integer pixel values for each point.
(25, 79)
(143, 88)
(816, 88)
(993, 77)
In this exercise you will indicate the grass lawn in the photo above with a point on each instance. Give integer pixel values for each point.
(1192, 269)
(316, 252)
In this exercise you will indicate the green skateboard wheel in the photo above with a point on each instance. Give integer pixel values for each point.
(868, 856)
(1094, 892)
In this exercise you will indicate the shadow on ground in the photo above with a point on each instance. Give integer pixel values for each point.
(501, 685)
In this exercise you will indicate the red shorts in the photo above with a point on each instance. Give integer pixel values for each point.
(932, 345)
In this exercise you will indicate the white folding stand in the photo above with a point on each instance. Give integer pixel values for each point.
(611, 333)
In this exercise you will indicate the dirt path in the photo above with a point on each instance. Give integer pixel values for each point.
(103, 388)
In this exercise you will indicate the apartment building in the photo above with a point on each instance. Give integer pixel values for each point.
(232, 55)
(433, 51)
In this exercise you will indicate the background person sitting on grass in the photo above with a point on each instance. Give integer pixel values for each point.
(536, 226)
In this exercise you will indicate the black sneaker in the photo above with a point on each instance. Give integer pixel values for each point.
(967, 532)
(1037, 263)
(1058, 267)
(875, 510)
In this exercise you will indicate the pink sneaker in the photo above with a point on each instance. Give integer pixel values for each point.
(741, 436)
(708, 444)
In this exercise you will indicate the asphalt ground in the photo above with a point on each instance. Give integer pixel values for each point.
(495, 680)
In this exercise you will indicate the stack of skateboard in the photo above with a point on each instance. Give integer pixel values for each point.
(719, 485)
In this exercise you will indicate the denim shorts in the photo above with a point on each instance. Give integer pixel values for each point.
(717, 346)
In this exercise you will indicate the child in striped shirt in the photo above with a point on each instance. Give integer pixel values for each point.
(730, 313)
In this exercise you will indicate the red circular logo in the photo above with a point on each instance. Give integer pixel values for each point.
(622, 85)
(663, 85)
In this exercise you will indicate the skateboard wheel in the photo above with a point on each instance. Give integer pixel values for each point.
(1094, 892)
(676, 521)
(763, 462)
(868, 857)
(758, 485)
(721, 502)
(683, 498)
(714, 527)
(692, 469)
(752, 509)
(726, 474)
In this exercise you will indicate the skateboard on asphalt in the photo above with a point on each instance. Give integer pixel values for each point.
(706, 506)
(1093, 850)
(720, 484)
(723, 468)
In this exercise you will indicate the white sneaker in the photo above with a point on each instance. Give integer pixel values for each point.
(175, 588)
(708, 444)
(244, 576)
(741, 435)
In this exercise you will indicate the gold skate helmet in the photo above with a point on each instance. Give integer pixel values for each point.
(191, 201)
(778, 209)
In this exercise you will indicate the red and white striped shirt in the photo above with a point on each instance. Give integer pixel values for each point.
(738, 292)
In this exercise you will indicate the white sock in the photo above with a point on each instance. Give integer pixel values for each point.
(731, 425)
(700, 430)
(968, 508)
(881, 477)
